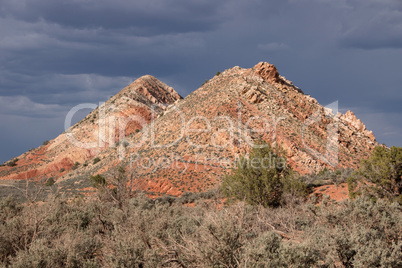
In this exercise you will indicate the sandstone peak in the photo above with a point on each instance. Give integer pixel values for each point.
(154, 90)
(270, 74)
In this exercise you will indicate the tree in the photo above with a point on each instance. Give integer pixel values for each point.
(384, 170)
(260, 178)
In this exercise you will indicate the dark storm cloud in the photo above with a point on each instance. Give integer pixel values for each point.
(142, 17)
(57, 54)
(63, 89)
(373, 24)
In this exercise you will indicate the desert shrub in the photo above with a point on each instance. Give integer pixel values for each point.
(12, 162)
(269, 250)
(327, 176)
(98, 181)
(125, 144)
(50, 181)
(79, 252)
(265, 250)
(358, 233)
(46, 142)
(118, 189)
(75, 166)
(142, 232)
(384, 170)
(293, 186)
(261, 178)
(9, 208)
(214, 193)
(352, 188)
(166, 199)
(218, 73)
(213, 239)
(126, 250)
(54, 234)
(188, 197)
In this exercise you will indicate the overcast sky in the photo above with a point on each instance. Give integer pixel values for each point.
(57, 54)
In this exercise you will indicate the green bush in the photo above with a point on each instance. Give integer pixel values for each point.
(261, 178)
(96, 160)
(98, 181)
(50, 181)
(13, 162)
(125, 144)
(352, 188)
(75, 166)
(384, 170)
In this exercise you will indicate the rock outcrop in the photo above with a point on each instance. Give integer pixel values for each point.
(356, 123)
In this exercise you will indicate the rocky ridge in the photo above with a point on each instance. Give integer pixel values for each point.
(172, 145)
(145, 98)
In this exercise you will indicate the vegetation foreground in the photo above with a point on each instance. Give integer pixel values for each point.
(164, 233)
(273, 224)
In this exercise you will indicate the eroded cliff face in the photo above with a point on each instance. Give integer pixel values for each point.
(171, 145)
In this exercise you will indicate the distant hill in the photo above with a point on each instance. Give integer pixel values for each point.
(171, 145)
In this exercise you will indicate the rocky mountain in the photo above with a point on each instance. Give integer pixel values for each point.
(172, 145)
(80, 144)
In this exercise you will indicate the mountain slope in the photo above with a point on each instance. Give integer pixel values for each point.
(190, 144)
(230, 112)
(145, 98)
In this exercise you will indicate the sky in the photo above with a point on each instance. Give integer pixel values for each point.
(57, 54)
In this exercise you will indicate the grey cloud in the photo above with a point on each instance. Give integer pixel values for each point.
(274, 46)
(374, 25)
(62, 89)
(19, 134)
(21, 105)
(144, 17)
(44, 48)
